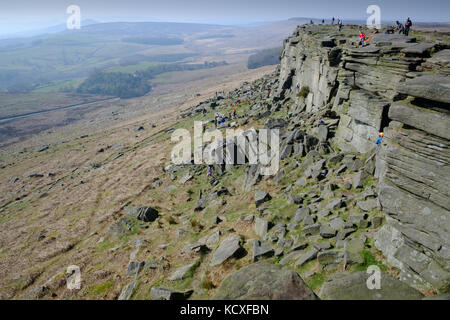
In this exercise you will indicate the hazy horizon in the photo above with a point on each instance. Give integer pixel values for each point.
(25, 15)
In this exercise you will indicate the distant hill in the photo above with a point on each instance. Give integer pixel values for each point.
(31, 63)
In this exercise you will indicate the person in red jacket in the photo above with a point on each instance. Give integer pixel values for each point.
(362, 38)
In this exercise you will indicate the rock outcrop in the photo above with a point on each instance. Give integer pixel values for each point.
(400, 87)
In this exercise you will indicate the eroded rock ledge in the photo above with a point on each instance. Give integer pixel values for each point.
(402, 87)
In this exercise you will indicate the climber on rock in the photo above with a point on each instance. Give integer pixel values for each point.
(379, 140)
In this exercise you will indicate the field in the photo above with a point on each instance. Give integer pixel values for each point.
(49, 63)
(13, 104)
(43, 72)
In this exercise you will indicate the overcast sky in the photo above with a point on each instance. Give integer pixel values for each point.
(26, 14)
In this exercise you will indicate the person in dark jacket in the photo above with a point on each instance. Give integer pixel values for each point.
(408, 25)
(399, 27)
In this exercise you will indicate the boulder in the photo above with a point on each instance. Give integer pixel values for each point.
(158, 293)
(308, 256)
(147, 214)
(329, 257)
(42, 148)
(229, 247)
(368, 204)
(186, 178)
(353, 249)
(327, 232)
(261, 197)
(354, 287)
(264, 282)
(180, 273)
(359, 179)
(134, 268)
(311, 229)
(334, 204)
(432, 87)
(261, 249)
(128, 291)
(300, 214)
(286, 152)
(262, 227)
(293, 198)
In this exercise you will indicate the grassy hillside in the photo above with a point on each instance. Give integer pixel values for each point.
(265, 58)
(52, 60)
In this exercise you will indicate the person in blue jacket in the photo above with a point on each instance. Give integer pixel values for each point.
(379, 140)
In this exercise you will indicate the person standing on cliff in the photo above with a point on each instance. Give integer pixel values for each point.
(332, 21)
(408, 25)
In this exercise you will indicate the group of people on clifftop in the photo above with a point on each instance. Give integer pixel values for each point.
(333, 20)
(401, 28)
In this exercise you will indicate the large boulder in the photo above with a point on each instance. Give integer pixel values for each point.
(354, 287)
(158, 293)
(431, 87)
(228, 248)
(264, 281)
(147, 214)
(261, 197)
